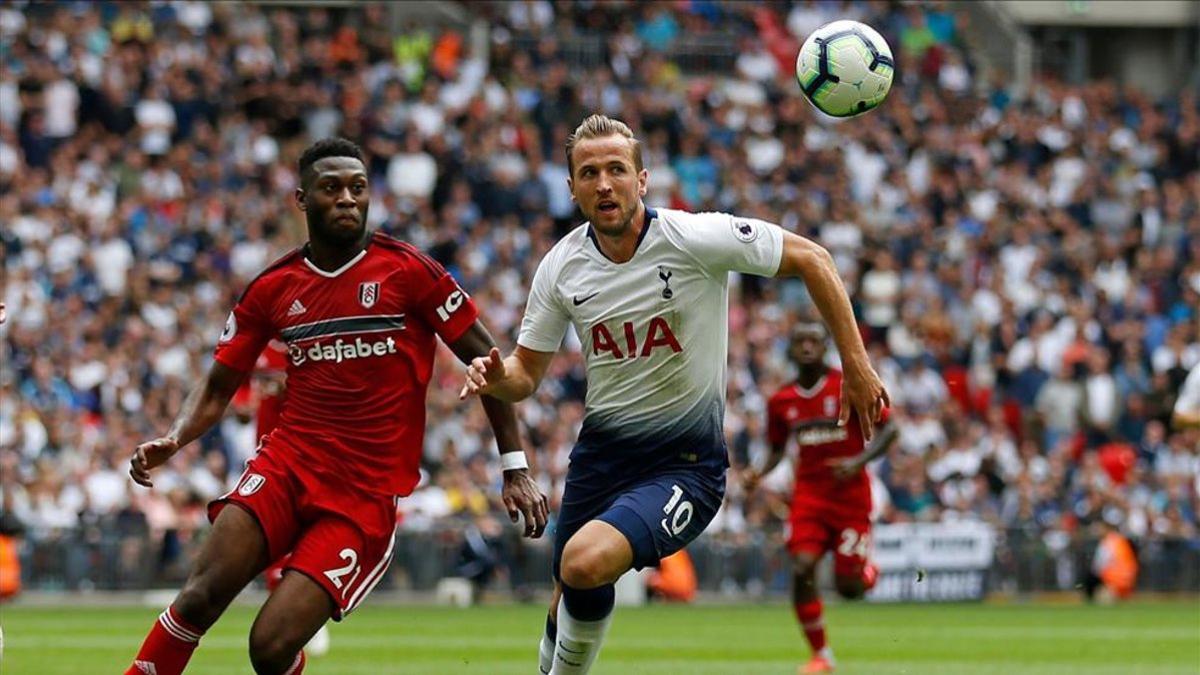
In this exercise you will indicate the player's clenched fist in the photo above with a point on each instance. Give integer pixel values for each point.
(148, 456)
(481, 373)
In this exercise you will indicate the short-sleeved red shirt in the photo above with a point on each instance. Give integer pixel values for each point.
(810, 417)
(360, 347)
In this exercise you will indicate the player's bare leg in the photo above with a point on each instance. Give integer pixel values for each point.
(297, 609)
(234, 553)
(546, 646)
(592, 560)
(318, 646)
(597, 555)
(807, 605)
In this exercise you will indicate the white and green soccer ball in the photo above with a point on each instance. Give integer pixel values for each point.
(845, 68)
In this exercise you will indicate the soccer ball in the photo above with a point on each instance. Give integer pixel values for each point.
(845, 68)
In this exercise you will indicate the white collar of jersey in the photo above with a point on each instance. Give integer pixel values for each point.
(338, 271)
(651, 214)
(816, 388)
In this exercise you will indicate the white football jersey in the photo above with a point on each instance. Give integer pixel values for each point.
(654, 329)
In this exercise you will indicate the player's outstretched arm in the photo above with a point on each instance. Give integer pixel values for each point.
(511, 379)
(520, 493)
(201, 409)
(847, 467)
(862, 390)
(752, 476)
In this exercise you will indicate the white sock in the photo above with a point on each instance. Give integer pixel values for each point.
(826, 653)
(545, 655)
(578, 642)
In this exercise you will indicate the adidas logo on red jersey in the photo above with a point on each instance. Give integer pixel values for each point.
(341, 350)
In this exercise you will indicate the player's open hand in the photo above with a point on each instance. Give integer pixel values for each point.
(864, 394)
(148, 456)
(523, 498)
(844, 467)
(481, 373)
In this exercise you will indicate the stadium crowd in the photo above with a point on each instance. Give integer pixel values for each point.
(1026, 271)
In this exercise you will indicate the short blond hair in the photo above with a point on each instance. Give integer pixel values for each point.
(599, 126)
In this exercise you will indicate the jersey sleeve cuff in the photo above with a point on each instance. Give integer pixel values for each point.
(534, 344)
(453, 333)
(775, 232)
(227, 360)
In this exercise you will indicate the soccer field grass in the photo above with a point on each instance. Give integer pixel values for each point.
(660, 640)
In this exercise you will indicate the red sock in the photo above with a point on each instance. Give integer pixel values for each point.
(297, 665)
(168, 646)
(870, 575)
(809, 616)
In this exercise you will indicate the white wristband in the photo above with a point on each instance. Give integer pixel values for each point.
(513, 460)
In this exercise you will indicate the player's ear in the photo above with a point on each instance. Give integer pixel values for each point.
(300, 199)
(643, 180)
(571, 187)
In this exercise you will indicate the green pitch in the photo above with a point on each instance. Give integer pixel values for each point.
(1148, 638)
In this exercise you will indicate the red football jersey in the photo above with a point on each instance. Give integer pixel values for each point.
(810, 416)
(265, 389)
(360, 348)
(272, 366)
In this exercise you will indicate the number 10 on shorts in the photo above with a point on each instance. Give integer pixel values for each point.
(682, 515)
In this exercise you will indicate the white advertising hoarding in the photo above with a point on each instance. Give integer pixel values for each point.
(932, 562)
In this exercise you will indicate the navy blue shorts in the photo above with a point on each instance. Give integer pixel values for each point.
(659, 513)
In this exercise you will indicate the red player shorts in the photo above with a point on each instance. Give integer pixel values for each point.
(817, 526)
(339, 537)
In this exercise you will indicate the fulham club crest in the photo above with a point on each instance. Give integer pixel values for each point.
(251, 485)
(831, 406)
(368, 293)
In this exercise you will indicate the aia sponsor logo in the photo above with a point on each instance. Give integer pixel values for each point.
(629, 343)
(368, 293)
(253, 483)
(340, 350)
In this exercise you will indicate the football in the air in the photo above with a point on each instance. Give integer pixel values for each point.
(845, 68)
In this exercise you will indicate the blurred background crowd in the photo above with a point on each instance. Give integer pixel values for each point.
(1026, 271)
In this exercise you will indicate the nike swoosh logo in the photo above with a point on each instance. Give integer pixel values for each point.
(579, 301)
